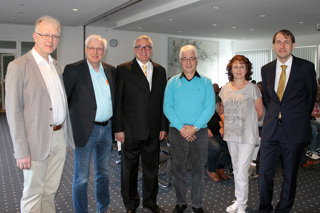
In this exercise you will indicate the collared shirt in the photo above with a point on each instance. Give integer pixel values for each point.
(54, 86)
(149, 71)
(279, 71)
(102, 93)
(195, 74)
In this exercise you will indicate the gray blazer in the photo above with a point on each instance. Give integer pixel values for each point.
(29, 109)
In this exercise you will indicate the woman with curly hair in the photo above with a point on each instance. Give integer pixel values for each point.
(243, 108)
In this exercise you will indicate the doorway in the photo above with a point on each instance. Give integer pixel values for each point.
(6, 58)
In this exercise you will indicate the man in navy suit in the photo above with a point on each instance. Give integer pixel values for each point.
(90, 88)
(289, 94)
(140, 124)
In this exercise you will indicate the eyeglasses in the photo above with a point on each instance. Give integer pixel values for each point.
(188, 59)
(140, 48)
(92, 49)
(46, 37)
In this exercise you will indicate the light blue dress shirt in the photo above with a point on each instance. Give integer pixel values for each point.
(102, 93)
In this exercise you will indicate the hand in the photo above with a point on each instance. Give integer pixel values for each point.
(162, 135)
(24, 163)
(187, 132)
(120, 137)
(210, 135)
(191, 138)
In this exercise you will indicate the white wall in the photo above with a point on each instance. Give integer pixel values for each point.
(71, 44)
(307, 40)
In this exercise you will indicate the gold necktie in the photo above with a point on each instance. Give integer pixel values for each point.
(144, 69)
(282, 82)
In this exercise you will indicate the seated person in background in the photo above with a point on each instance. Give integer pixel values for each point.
(218, 154)
(313, 149)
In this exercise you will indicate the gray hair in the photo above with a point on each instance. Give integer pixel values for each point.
(143, 37)
(188, 48)
(47, 19)
(94, 36)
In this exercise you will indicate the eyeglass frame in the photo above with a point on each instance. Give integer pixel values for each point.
(140, 47)
(46, 37)
(191, 59)
(92, 49)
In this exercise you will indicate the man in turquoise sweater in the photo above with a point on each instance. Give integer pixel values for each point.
(189, 103)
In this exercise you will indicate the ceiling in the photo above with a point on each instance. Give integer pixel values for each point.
(224, 19)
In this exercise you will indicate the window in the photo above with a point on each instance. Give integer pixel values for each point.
(258, 58)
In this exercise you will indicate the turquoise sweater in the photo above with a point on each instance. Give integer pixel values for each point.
(189, 102)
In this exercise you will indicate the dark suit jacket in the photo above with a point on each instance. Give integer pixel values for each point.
(81, 98)
(297, 101)
(139, 111)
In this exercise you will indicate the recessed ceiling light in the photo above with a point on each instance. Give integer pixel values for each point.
(16, 12)
(216, 7)
(179, 31)
(251, 29)
(75, 9)
(171, 19)
(233, 27)
(263, 16)
(300, 22)
(214, 25)
(214, 34)
(140, 28)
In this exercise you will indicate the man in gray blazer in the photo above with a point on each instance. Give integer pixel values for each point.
(38, 118)
(90, 88)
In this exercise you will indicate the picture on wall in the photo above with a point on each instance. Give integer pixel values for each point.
(208, 56)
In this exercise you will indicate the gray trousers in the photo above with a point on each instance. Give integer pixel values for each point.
(193, 153)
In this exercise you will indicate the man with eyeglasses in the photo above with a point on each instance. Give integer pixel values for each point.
(140, 124)
(38, 118)
(90, 88)
(189, 104)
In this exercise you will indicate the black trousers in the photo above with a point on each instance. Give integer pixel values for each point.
(270, 151)
(131, 151)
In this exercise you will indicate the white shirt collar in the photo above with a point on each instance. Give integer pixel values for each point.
(38, 58)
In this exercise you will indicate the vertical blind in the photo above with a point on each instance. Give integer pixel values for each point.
(258, 58)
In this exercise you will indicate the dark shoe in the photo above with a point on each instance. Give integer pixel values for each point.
(154, 208)
(214, 176)
(310, 162)
(131, 211)
(197, 210)
(179, 208)
(222, 174)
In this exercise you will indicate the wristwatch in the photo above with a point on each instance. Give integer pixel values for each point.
(196, 128)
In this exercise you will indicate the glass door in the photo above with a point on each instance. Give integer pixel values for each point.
(5, 60)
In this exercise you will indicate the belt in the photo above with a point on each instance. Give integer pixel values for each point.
(279, 121)
(105, 123)
(58, 127)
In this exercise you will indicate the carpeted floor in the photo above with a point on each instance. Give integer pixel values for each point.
(217, 196)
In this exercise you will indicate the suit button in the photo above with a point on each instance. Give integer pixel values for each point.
(51, 125)
(51, 109)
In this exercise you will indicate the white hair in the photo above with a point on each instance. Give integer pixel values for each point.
(94, 36)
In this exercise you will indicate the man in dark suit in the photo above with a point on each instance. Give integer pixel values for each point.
(289, 91)
(140, 124)
(90, 88)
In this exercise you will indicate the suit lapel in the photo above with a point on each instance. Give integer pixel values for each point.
(110, 81)
(293, 75)
(136, 68)
(88, 79)
(37, 73)
(272, 77)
